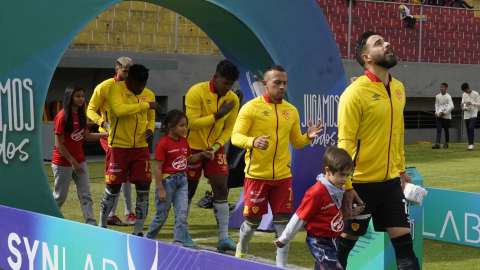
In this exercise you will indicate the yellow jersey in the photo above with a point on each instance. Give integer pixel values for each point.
(371, 128)
(131, 116)
(261, 117)
(99, 100)
(203, 129)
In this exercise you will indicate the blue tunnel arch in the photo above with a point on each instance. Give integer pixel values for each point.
(254, 34)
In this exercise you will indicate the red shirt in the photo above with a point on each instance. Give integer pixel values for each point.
(173, 153)
(71, 140)
(323, 217)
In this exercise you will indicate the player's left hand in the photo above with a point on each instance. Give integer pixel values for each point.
(468, 103)
(279, 244)
(313, 131)
(405, 178)
(149, 136)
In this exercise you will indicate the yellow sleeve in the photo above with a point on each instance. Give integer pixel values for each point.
(120, 108)
(94, 104)
(349, 116)
(229, 124)
(401, 151)
(241, 128)
(193, 102)
(297, 140)
(151, 114)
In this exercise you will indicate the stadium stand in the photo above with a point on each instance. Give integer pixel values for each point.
(144, 27)
(449, 35)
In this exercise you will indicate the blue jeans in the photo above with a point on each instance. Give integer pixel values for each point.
(176, 188)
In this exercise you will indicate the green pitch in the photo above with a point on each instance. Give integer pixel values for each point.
(454, 168)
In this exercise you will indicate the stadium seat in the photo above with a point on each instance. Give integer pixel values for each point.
(146, 40)
(167, 16)
(136, 15)
(84, 37)
(122, 15)
(108, 14)
(472, 28)
(46, 113)
(150, 28)
(205, 42)
(162, 40)
(134, 26)
(166, 29)
(57, 106)
(152, 7)
(448, 35)
(445, 11)
(151, 16)
(119, 26)
(130, 38)
(91, 25)
(100, 37)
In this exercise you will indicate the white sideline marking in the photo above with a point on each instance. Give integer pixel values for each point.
(249, 256)
(213, 237)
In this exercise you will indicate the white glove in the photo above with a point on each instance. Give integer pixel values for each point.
(415, 193)
(106, 125)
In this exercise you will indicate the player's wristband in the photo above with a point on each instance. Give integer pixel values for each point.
(215, 147)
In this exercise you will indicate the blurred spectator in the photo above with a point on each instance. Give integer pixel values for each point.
(406, 16)
(470, 104)
(462, 3)
(443, 115)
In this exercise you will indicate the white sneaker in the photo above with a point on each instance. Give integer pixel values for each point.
(470, 147)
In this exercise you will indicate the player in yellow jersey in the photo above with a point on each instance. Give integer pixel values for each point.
(266, 126)
(99, 101)
(371, 130)
(212, 109)
(132, 120)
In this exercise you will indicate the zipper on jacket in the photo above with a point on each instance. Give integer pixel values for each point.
(114, 131)
(276, 145)
(136, 124)
(355, 158)
(218, 99)
(391, 128)
(250, 161)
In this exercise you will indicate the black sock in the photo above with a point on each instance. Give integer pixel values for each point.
(406, 259)
(344, 247)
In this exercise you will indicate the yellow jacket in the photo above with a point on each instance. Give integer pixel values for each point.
(371, 128)
(203, 129)
(131, 116)
(99, 100)
(260, 117)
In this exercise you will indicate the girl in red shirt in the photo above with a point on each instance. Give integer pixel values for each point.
(172, 154)
(68, 160)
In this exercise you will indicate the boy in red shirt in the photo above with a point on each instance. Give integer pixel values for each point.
(321, 211)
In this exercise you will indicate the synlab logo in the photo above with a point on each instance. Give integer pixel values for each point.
(131, 266)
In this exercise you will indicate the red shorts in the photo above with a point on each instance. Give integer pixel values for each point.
(258, 193)
(216, 166)
(104, 143)
(134, 161)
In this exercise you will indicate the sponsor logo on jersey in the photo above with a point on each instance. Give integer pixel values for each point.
(286, 115)
(257, 200)
(173, 151)
(143, 98)
(115, 170)
(113, 164)
(224, 168)
(399, 94)
(149, 175)
(128, 95)
(328, 206)
(289, 205)
(355, 226)
(112, 177)
(265, 113)
(255, 193)
(208, 101)
(376, 97)
(337, 223)
(180, 163)
(77, 135)
(255, 209)
(191, 174)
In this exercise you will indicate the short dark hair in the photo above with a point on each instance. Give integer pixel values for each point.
(360, 45)
(337, 160)
(445, 84)
(171, 119)
(138, 73)
(228, 69)
(465, 86)
(274, 67)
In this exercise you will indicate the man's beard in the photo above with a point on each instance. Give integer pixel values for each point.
(383, 62)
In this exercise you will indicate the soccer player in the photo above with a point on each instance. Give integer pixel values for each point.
(470, 104)
(264, 121)
(132, 123)
(321, 211)
(443, 115)
(211, 110)
(371, 130)
(98, 101)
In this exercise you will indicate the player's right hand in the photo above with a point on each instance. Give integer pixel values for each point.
(347, 203)
(261, 142)
(77, 168)
(162, 195)
(279, 244)
(156, 106)
(225, 108)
